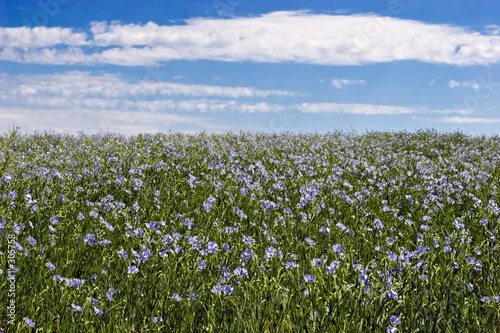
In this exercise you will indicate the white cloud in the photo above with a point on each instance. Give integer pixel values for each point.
(340, 83)
(464, 84)
(373, 109)
(163, 105)
(74, 101)
(90, 121)
(470, 120)
(276, 37)
(38, 37)
(103, 91)
(85, 84)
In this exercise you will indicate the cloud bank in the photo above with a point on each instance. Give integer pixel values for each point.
(302, 38)
(76, 100)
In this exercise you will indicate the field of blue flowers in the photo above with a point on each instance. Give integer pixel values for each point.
(380, 232)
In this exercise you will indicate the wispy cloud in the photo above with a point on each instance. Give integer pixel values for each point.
(302, 37)
(103, 91)
(464, 84)
(76, 100)
(470, 120)
(373, 109)
(340, 83)
(85, 84)
(92, 121)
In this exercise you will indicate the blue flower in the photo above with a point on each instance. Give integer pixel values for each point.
(324, 230)
(247, 254)
(425, 227)
(133, 270)
(332, 267)
(90, 239)
(241, 271)
(271, 252)
(217, 289)
(222, 289)
(268, 205)
(316, 262)
(290, 264)
(337, 248)
(176, 297)
(98, 311)
(212, 247)
(478, 266)
(202, 264)
(308, 278)
(104, 242)
(123, 254)
(392, 256)
(50, 266)
(93, 213)
(392, 295)
(394, 320)
(228, 289)
(207, 205)
(109, 294)
(310, 241)
(31, 240)
(75, 283)
(378, 224)
(77, 308)
(470, 260)
(247, 240)
(458, 223)
(29, 322)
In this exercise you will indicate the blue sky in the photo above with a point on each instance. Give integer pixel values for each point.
(231, 65)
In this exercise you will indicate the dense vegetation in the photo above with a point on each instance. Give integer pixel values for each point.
(251, 233)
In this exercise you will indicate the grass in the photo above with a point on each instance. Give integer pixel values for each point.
(416, 215)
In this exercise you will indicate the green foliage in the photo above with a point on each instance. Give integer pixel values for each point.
(281, 190)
